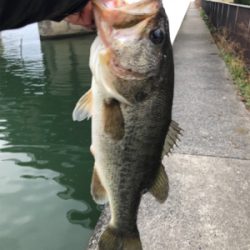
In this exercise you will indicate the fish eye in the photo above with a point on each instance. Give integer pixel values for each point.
(157, 36)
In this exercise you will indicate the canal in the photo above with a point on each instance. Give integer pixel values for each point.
(45, 163)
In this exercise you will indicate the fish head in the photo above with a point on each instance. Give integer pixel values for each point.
(136, 33)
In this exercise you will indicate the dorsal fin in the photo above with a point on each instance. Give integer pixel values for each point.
(83, 107)
(172, 137)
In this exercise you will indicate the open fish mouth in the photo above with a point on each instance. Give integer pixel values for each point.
(122, 24)
(125, 13)
(119, 3)
(130, 6)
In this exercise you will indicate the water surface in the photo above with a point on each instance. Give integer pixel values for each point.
(45, 164)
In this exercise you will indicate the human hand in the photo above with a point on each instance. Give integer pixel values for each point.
(84, 18)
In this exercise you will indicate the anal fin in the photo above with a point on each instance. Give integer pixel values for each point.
(172, 137)
(83, 108)
(98, 192)
(160, 187)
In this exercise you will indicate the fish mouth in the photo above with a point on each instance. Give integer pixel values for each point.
(121, 20)
(113, 15)
(128, 6)
(124, 13)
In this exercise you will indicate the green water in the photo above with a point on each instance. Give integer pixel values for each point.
(45, 164)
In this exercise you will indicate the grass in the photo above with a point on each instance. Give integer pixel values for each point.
(232, 55)
(240, 75)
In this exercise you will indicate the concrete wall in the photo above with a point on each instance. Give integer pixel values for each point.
(49, 29)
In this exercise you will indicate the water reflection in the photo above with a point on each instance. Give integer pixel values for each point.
(45, 164)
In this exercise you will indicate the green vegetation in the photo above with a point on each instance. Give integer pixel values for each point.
(230, 52)
(246, 2)
(239, 73)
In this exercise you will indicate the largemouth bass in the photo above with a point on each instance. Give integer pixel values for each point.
(130, 103)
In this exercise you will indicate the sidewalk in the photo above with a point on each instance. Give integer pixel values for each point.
(209, 174)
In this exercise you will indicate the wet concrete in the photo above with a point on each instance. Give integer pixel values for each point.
(208, 204)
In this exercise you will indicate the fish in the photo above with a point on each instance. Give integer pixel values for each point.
(130, 104)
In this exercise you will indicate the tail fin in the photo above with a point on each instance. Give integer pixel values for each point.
(112, 239)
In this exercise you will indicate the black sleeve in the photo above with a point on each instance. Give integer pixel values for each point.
(17, 13)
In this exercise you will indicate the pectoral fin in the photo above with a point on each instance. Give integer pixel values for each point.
(98, 192)
(83, 107)
(173, 134)
(160, 187)
(113, 120)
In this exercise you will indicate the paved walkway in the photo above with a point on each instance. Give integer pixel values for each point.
(209, 201)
